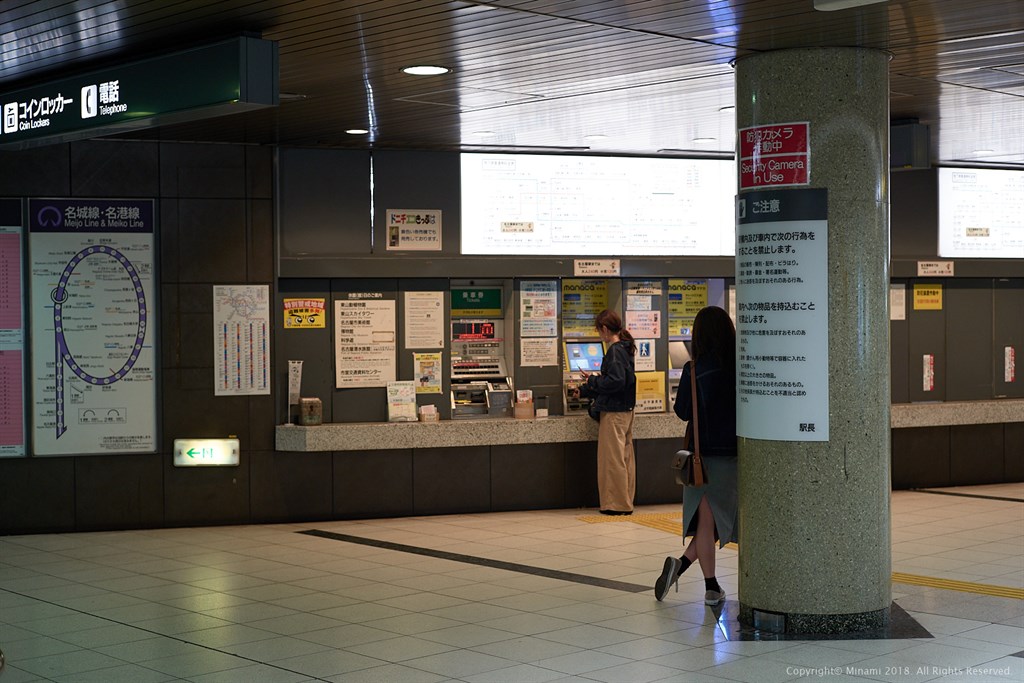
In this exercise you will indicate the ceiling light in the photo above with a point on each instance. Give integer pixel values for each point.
(705, 139)
(983, 151)
(596, 136)
(426, 70)
(484, 133)
(357, 131)
(833, 5)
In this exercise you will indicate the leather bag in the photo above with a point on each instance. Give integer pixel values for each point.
(688, 464)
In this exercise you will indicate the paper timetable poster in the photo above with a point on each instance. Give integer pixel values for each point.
(12, 332)
(582, 300)
(364, 343)
(92, 304)
(685, 299)
(241, 339)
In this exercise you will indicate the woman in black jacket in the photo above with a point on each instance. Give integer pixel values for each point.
(709, 511)
(614, 394)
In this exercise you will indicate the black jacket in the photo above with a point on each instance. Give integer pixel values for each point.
(716, 407)
(614, 390)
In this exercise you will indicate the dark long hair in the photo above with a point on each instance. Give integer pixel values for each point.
(715, 335)
(610, 319)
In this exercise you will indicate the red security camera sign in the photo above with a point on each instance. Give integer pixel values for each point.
(775, 155)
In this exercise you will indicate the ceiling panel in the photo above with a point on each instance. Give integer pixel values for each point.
(648, 75)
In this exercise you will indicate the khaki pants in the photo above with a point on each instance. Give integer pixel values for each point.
(616, 464)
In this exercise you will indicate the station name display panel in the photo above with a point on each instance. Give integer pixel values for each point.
(555, 205)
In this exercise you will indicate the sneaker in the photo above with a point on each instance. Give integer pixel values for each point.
(669, 575)
(713, 597)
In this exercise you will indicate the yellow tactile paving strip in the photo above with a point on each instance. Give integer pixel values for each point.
(672, 522)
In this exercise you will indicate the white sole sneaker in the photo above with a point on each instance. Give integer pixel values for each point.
(713, 598)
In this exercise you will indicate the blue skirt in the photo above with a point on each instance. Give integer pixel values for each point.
(722, 494)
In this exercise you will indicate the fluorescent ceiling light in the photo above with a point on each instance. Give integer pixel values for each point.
(833, 5)
(357, 131)
(426, 70)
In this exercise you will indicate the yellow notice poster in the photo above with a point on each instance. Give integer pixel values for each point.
(927, 297)
(428, 372)
(650, 392)
(685, 299)
(582, 300)
(304, 313)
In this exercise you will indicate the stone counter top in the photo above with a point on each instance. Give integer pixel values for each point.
(369, 436)
(957, 413)
(363, 436)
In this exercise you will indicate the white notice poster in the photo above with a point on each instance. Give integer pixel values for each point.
(92, 304)
(364, 343)
(782, 315)
(538, 352)
(424, 320)
(241, 340)
(538, 308)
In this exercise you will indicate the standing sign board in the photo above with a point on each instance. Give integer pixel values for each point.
(782, 315)
(775, 155)
(92, 306)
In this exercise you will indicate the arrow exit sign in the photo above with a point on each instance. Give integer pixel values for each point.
(206, 452)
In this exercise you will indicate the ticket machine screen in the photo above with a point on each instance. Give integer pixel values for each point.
(584, 356)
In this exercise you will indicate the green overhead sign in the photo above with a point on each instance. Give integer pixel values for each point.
(231, 76)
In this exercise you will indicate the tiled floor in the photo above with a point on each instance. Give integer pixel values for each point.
(507, 597)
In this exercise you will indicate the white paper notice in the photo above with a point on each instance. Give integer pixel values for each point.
(241, 339)
(897, 302)
(401, 401)
(364, 343)
(538, 308)
(538, 352)
(782, 308)
(424, 320)
(644, 323)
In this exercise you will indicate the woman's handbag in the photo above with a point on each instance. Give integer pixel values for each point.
(688, 464)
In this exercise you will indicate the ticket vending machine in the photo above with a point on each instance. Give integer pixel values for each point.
(678, 357)
(481, 385)
(579, 354)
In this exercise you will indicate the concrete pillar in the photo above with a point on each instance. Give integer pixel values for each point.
(814, 515)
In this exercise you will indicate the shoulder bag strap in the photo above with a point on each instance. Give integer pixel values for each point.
(693, 390)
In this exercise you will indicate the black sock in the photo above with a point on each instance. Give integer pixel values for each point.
(712, 585)
(684, 566)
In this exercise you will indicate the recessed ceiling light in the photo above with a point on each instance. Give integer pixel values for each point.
(705, 139)
(983, 151)
(357, 131)
(426, 70)
(833, 5)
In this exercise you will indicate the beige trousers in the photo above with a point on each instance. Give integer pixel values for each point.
(616, 464)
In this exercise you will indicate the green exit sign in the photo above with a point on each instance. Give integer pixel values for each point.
(228, 77)
(206, 452)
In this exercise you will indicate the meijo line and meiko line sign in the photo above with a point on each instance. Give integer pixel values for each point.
(775, 155)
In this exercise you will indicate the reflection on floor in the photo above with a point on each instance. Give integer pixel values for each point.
(505, 597)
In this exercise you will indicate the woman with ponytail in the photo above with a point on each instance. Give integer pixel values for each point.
(614, 394)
